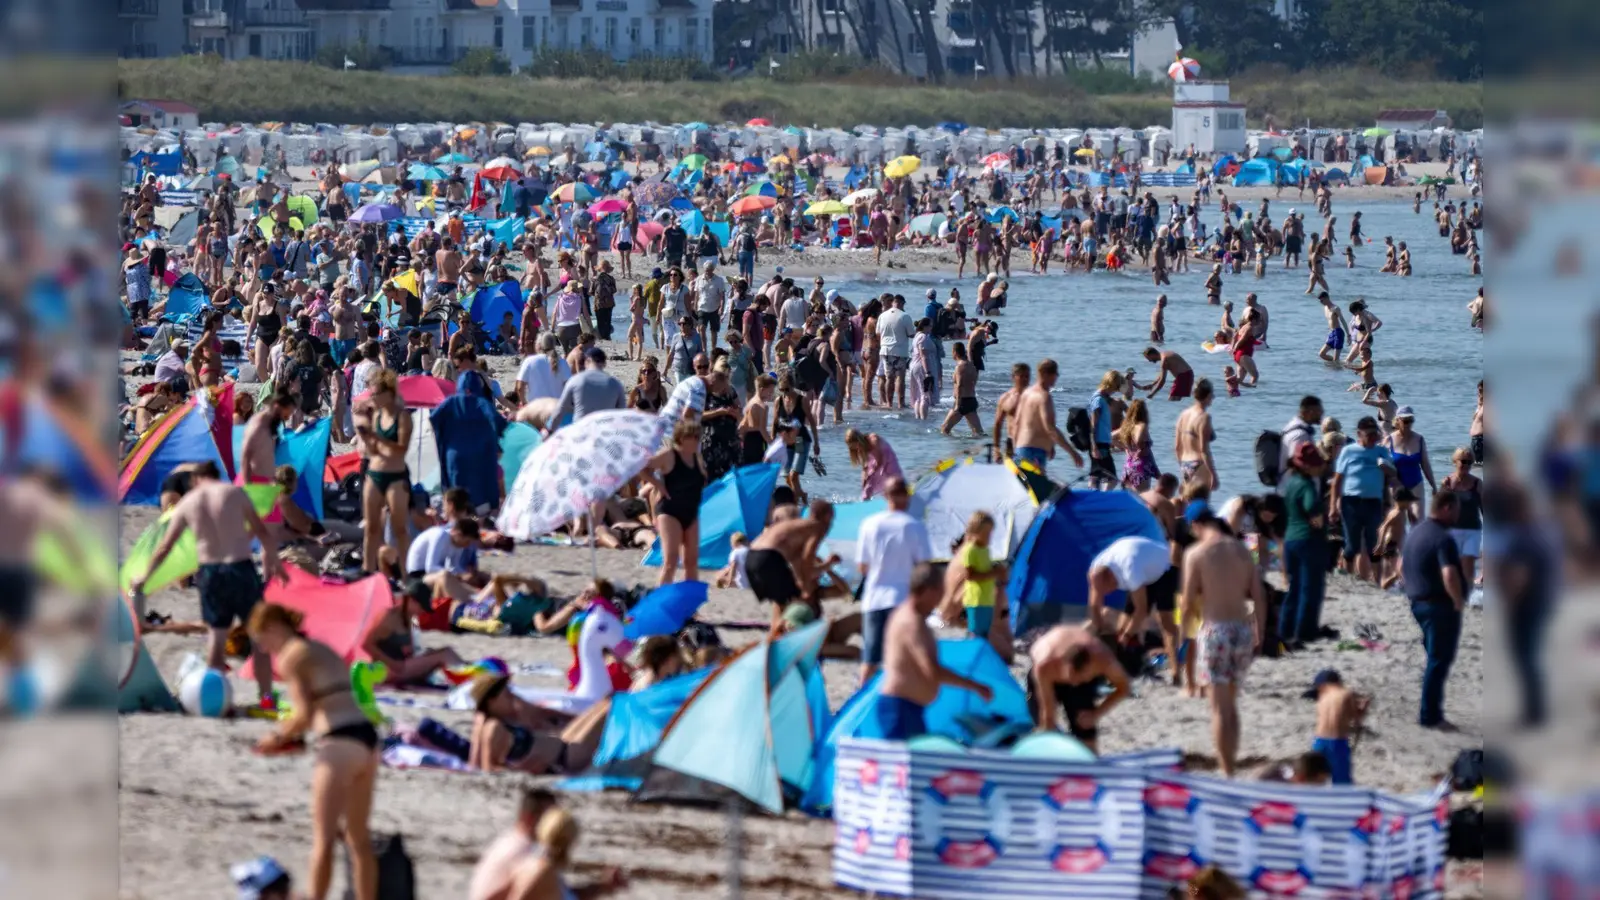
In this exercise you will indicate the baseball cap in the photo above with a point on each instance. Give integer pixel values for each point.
(930, 293)
(656, 272)
(1325, 677)
(833, 294)
(255, 877)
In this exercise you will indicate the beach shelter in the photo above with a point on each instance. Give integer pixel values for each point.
(140, 687)
(516, 442)
(181, 436)
(946, 498)
(959, 715)
(307, 451)
(52, 438)
(1050, 570)
(303, 208)
(491, 304)
(633, 729)
(1255, 172)
(749, 730)
(847, 519)
(737, 501)
(186, 297)
(336, 614)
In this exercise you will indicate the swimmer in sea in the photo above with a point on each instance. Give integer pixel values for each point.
(1158, 320)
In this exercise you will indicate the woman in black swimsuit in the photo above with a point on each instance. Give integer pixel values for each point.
(509, 733)
(346, 768)
(648, 395)
(678, 475)
(383, 430)
(390, 642)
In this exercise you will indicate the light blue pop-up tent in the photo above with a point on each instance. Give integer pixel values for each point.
(737, 501)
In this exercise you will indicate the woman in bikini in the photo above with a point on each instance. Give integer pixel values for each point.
(383, 431)
(648, 394)
(636, 322)
(1194, 436)
(509, 733)
(391, 641)
(870, 348)
(346, 768)
(678, 475)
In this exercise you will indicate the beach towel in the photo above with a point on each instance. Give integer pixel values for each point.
(467, 427)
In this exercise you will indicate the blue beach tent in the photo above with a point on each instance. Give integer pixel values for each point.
(633, 728)
(491, 304)
(956, 714)
(307, 451)
(1255, 172)
(737, 501)
(1050, 570)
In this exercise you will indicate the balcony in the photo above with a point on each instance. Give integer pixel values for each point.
(425, 56)
(145, 50)
(209, 18)
(274, 18)
(138, 9)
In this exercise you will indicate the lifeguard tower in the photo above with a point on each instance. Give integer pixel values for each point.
(1202, 114)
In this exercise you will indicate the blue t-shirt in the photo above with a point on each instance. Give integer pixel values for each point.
(1362, 468)
(1102, 427)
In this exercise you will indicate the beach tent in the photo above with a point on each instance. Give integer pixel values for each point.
(516, 442)
(847, 519)
(959, 715)
(737, 501)
(53, 439)
(1222, 166)
(181, 436)
(1255, 172)
(1335, 175)
(307, 451)
(336, 614)
(633, 729)
(749, 730)
(948, 496)
(140, 687)
(491, 304)
(186, 297)
(1050, 570)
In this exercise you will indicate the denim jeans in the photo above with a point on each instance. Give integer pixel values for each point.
(1300, 616)
(1441, 633)
(1525, 630)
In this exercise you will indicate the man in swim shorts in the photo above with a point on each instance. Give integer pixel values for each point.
(1171, 364)
(782, 564)
(1070, 663)
(912, 675)
(1221, 585)
(1034, 423)
(1336, 334)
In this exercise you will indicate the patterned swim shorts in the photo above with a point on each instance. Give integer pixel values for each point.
(1226, 649)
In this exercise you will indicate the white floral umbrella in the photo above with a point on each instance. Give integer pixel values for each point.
(583, 463)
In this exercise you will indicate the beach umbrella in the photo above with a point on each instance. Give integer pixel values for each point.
(501, 168)
(358, 170)
(1084, 151)
(927, 223)
(694, 162)
(762, 189)
(863, 195)
(453, 159)
(585, 462)
(607, 206)
(665, 610)
(697, 126)
(753, 164)
(376, 213)
(575, 192)
(759, 122)
(266, 224)
(538, 151)
(1376, 132)
(1183, 69)
(656, 193)
(901, 166)
(419, 391)
(423, 172)
(827, 208)
(683, 204)
(648, 230)
(751, 206)
(996, 160)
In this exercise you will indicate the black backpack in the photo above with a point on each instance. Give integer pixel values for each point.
(397, 879)
(1079, 433)
(1269, 450)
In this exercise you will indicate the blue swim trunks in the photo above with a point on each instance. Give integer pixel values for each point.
(979, 620)
(899, 719)
(1033, 456)
(1337, 752)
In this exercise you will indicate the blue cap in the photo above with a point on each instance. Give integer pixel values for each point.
(1323, 679)
(255, 876)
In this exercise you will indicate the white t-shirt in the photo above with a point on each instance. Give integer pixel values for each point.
(1135, 561)
(541, 381)
(894, 332)
(777, 452)
(794, 312)
(890, 544)
(736, 559)
(433, 551)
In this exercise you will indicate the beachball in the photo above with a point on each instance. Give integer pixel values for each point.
(205, 692)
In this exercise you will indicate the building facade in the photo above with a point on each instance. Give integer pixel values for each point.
(240, 29)
(149, 28)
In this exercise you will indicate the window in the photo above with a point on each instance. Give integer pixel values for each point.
(635, 33)
(255, 45)
(691, 35)
(660, 29)
(917, 46)
(499, 32)
(832, 6)
(585, 27)
(782, 44)
(562, 32)
(833, 42)
(611, 32)
(529, 25)
(1230, 121)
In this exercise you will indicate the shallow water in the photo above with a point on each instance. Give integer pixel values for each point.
(1090, 323)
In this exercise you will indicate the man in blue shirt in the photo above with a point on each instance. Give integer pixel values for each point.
(1102, 466)
(1355, 496)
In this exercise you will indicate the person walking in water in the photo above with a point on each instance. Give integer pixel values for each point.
(965, 394)
(1171, 364)
(1037, 436)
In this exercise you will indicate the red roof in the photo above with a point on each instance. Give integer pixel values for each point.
(1410, 115)
(174, 107)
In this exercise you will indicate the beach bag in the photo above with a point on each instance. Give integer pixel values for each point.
(1269, 450)
(342, 501)
(397, 878)
(1466, 834)
(1466, 773)
(830, 392)
(1079, 432)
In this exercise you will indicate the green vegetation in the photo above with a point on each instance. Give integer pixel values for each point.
(255, 91)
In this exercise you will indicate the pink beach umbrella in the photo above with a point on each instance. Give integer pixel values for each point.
(1183, 69)
(607, 206)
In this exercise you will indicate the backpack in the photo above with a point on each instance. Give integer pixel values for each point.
(397, 879)
(1269, 450)
(1466, 834)
(747, 242)
(1466, 773)
(1079, 433)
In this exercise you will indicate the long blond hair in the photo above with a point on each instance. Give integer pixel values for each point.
(558, 834)
(859, 445)
(1137, 414)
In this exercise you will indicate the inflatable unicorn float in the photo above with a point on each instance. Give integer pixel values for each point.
(592, 634)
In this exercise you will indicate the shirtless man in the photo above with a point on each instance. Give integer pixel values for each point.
(1070, 662)
(1193, 436)
(1171, 364)
(448, 261)
(1336, 332)
(964, 393)
(782, 565)
(1159, 500)
(1214, 285)
(754, 435)
(912, 675)
(1005, 408)
(224, 522)
(346, 328)
(1220, 582)
(1253, 304)
(1037, 436)
(258, 455)
(1158, 321)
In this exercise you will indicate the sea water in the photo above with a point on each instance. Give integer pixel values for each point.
(1090, 323)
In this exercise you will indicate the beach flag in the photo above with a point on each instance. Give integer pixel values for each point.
(181, 436)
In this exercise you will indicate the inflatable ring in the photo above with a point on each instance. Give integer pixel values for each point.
(947, 788)
(1080, 859)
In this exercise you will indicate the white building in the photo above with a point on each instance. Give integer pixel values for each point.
(1204, 117)
(239, 29)
(159, 114)
(148, 28)
(433, 34)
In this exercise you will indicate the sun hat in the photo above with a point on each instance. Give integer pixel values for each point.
(1404, 412)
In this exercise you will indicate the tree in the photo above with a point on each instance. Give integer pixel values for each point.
(480, 61)
(1089, 28)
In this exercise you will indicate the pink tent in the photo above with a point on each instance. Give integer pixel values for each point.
(419, 391)
(336, 614)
